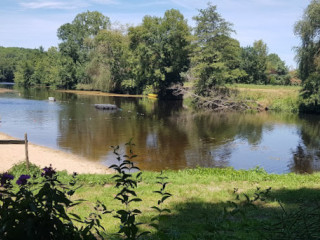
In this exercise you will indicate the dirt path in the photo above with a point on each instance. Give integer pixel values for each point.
(43, 156)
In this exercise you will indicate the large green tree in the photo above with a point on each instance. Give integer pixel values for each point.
(277, 71)
(25, 69)
(254, 63)
(308, 56)
(216, 58)
(109, 61)
(76, 38)
(161, 50)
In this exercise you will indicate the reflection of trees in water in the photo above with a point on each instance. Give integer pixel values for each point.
(165, 134)
(306, 157)
(90, 132)
(310, 131)
(212, 135)
(302, 161)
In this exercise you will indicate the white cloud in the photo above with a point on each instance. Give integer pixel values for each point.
(106, 2)
(190, 4)
(54, 5)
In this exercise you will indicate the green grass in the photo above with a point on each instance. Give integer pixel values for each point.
(256, 86)
(275, 98)
(200, 197)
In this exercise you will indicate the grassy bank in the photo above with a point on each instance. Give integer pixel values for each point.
(273, 97)
(202, 208)
(277, 98)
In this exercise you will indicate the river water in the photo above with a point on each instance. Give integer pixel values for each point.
(167, 135)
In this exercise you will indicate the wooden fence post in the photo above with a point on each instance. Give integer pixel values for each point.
(26, 147)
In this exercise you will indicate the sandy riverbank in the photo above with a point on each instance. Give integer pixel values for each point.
(99, 93)
(4, 90)
(43, 156)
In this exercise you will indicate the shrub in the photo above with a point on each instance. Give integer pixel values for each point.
(35, 207)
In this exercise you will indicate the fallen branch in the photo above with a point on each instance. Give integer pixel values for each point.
(218, 99)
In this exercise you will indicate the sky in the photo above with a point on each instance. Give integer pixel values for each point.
(34, 23)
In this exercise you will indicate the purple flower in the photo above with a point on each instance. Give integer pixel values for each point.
(23, 180)
(48, 172)
(5, 178)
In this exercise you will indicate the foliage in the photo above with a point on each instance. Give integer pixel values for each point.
(277, 72)
(212, 203)
(108, 66)
(308, 56)
(254, 63)
(216, 58)
(162, 181)
(161, 49)
(76, 38)
(310, 101)
(9, 60)
(308, 31)
(125, 181)
(149, 58)
(261, 67)
(37, 209)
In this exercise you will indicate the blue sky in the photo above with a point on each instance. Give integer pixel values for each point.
(34, 23)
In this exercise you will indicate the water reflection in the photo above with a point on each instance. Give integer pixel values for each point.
(306, 156)
(166, 134)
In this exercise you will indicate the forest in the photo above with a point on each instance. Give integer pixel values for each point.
(94, 54)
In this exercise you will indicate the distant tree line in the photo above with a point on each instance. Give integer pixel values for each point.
(161, 51)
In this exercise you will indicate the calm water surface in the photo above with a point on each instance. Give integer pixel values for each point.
(166, 134)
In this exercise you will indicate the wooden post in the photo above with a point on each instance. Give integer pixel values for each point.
(26, 146)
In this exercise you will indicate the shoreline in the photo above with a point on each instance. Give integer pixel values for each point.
(44, 156)
(5, 90)
(99, 93)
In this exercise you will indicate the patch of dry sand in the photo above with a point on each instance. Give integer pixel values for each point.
(99, 93)
(43, 156)
(4, 90)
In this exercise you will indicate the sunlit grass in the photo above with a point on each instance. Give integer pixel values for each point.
(199, 198)
(256, 86)
(276, 98)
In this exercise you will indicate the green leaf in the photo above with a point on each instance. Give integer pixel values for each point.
(135, 200)
(158, 209)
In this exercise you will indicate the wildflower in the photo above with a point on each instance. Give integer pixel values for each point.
(23, 179)
(48, 172)
(5, 178)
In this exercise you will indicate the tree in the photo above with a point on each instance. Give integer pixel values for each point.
(277, 71)
(216, 58)
(25, 69)
(76, 38)
(10, 59)
(254, 63)
(109, 64)
(308, 56)
(161, 47)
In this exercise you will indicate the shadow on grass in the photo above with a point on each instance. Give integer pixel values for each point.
(297, 217)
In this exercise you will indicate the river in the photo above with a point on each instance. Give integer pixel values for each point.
(167, 135)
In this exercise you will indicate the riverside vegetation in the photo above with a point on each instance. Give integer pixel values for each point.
(195, 203)
(94, 54)
(163, 51)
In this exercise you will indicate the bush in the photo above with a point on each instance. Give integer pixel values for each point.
(35, 207)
